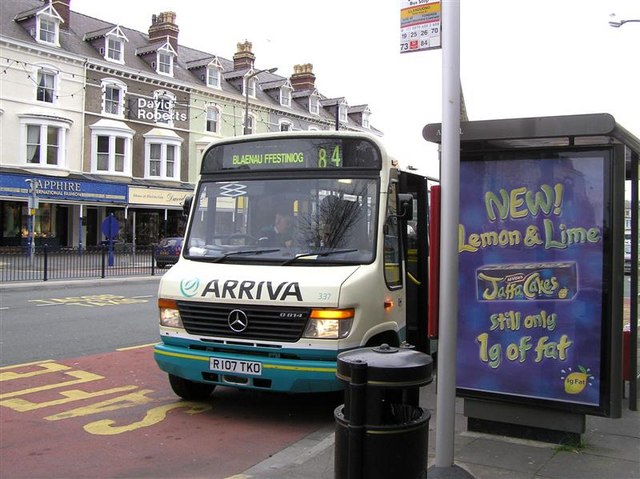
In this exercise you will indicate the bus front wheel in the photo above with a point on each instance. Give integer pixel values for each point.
(190, 390)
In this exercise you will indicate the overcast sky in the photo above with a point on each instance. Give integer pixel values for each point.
(518, 58)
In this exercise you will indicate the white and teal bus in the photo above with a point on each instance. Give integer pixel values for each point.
(251, 306)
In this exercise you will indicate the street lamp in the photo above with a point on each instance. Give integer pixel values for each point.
(246, 96)
(32, 205)
(615, 23)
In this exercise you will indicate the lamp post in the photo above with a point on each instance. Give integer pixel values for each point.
(246, 96)
(615, 23)
(32, 205)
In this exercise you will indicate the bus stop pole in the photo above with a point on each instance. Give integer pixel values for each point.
(450, 181)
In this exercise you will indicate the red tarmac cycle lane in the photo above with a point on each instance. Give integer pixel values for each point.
(114, 415)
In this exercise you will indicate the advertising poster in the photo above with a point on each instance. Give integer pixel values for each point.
(531, 259)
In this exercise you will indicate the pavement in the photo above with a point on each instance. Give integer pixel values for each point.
(610, 448)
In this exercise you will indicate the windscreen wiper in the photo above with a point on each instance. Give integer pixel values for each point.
(248, 251)
(325, 253)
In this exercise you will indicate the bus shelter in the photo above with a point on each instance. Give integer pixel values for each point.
(547, 326)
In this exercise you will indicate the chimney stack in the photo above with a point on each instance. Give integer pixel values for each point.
(164, 26)
(243, 59)
(63, 9)
(303, 77)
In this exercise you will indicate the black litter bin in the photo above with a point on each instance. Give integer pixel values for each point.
(381, 431)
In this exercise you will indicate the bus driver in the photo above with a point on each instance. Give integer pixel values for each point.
(280, 233)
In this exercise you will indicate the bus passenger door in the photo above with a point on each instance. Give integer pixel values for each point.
(416, 247)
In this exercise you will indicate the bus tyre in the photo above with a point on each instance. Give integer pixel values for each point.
(190, 390)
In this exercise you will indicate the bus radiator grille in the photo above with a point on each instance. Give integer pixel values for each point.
(267, 323)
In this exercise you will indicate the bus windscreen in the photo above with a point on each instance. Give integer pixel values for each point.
(292, 153)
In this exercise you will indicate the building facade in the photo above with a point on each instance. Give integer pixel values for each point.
(99, 119)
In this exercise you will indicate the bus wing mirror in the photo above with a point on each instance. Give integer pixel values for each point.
(405, 201)
(186, 205)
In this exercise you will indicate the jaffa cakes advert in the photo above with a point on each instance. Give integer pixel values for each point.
(530, 244)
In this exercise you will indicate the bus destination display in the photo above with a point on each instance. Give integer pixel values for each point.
(293, 153)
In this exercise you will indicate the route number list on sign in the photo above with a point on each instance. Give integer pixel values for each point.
(419, 25)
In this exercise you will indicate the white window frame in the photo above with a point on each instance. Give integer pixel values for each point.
(342, 112)
(43, 124)
(159, 97)
(252, 84)
(314, 104)
(251, 124)
(119, 42)
(111, 161)
(49, 71)
(216, 72)
(112, 130)
(168, 53)
(111, 154)
(114, 84)
(282, 123)
(210, 109)
(48, 16)
(165, 141)
(285, 96)
(365, 119)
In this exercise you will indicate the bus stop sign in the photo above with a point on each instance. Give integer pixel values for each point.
(110, 227)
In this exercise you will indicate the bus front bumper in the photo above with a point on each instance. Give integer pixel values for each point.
(248, 371)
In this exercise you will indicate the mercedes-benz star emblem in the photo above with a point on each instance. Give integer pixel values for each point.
(237, 321)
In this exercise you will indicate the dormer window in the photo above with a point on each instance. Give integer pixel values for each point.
(114, 42)
(285, 95)
(249, 84)
(114, 49)
(209, 70)
(164, 59)
(48, 26)
(47, 30)
(159, 57)
(314, 104)
(109, 42)
(165, 63)
(342, 112)
(365, 119)
(213, 76)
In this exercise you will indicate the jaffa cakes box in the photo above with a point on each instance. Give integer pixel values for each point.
(527, 281)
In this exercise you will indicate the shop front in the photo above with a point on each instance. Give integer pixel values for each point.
(69, 211)
(61, 212)
(155, 213)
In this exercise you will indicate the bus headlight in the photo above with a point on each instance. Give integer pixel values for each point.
(329, 323)
(169, 314)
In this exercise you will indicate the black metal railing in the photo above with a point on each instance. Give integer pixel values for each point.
(47, 263)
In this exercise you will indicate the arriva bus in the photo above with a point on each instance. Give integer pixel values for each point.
(295, 251)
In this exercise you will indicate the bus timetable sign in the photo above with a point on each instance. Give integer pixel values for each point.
(419, 25)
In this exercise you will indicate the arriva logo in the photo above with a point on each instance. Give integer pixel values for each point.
(189, 287)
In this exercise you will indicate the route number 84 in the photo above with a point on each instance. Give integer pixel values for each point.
(335, 157)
